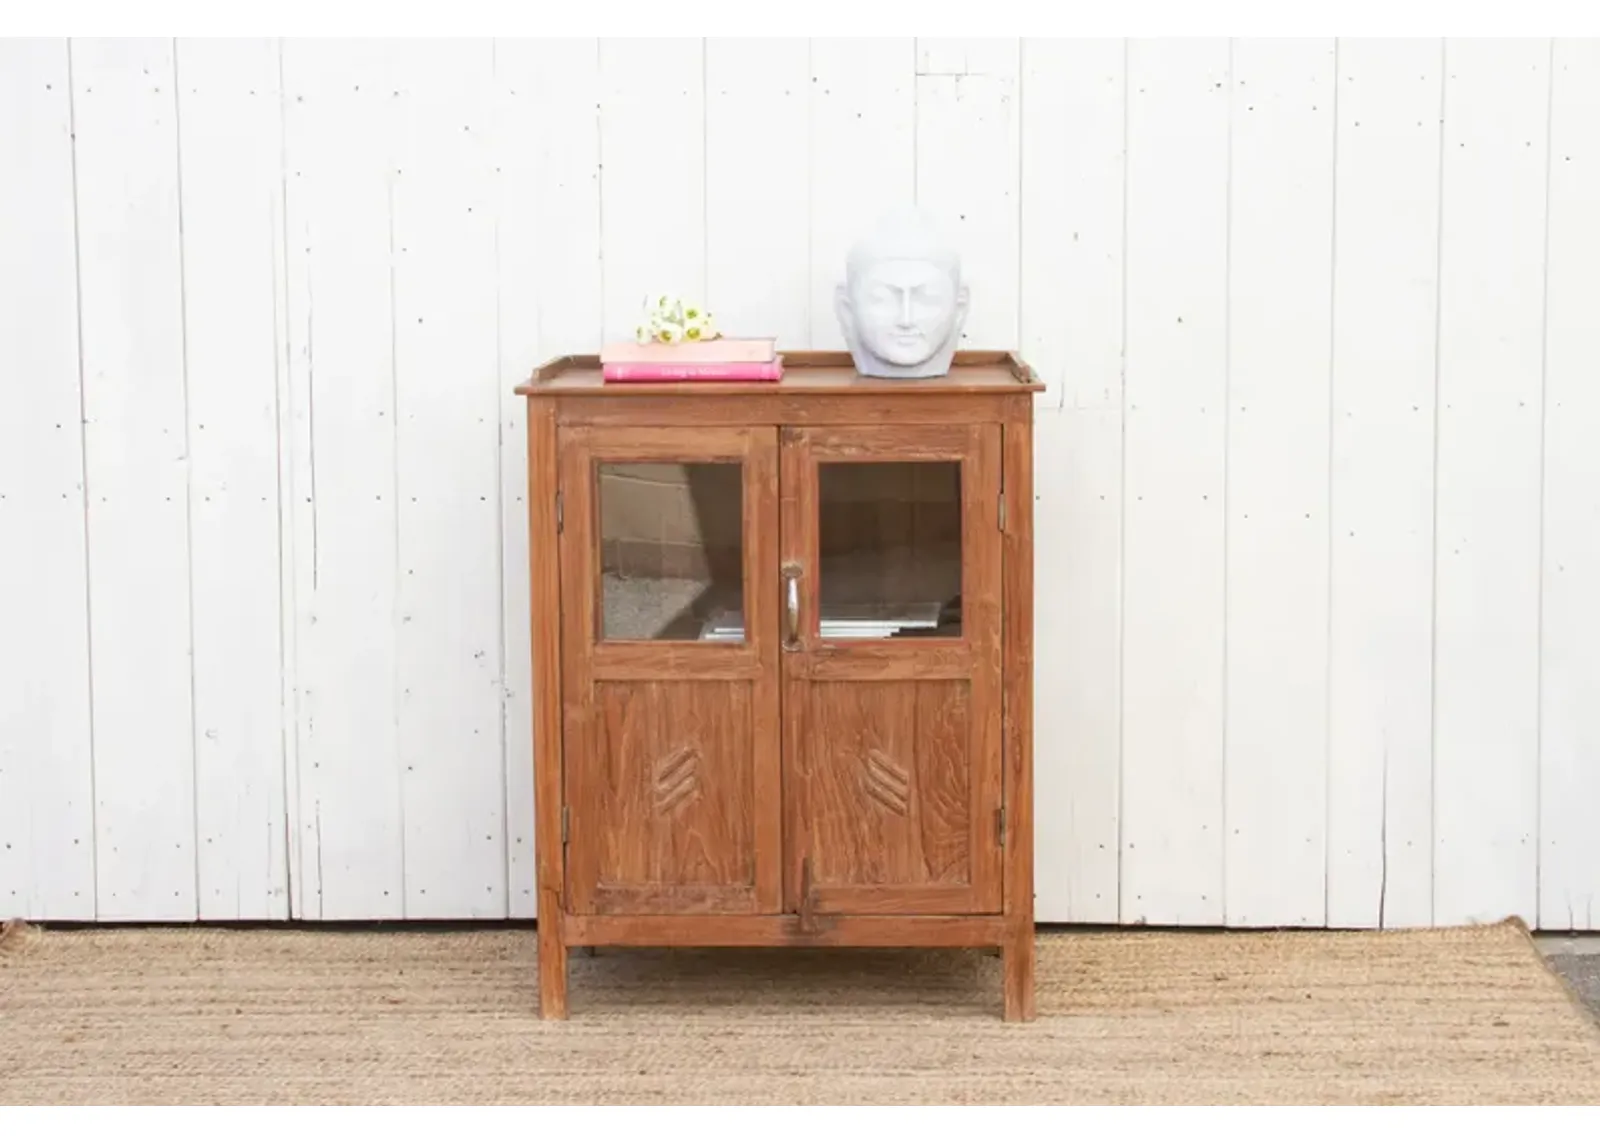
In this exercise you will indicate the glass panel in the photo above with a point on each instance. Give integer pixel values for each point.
(889, 549)
(671, 551)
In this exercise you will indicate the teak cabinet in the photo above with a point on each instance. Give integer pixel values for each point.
(782, 661)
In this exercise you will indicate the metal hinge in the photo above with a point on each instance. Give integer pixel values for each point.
(566, 824)
(1000, 825)
(559, 512)
(1002, 511)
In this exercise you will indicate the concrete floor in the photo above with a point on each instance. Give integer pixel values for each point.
(1578, 960)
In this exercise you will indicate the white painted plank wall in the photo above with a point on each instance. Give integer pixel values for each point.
(547, 157)
(137, 477)
(758, 248)
(447, 480)
(1569, 717)
(862, 158)
(653, 175)
(1385, 304)
(1280, 283)
(340, 122)
(1071, 301)
(231, 183)
(1315, 487)
(1490, 417)
(968, 144)
(1174, 509)
(46, 778)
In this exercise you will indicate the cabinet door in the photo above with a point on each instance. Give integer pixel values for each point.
(669, 567)
(891, 668)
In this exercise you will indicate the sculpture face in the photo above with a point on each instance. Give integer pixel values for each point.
(904, 310)
(902, 304)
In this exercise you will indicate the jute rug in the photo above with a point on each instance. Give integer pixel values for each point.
(273, 1016)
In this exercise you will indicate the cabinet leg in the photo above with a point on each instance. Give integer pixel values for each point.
(1017, 968)
(552, 971)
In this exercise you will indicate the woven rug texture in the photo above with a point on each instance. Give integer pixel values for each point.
(208, 1016)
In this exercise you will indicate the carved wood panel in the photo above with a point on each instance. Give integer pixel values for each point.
(887, 784)
(663, 811)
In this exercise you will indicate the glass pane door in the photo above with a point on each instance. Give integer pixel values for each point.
(891, 668)
(670, 765)
(889, 549)
(671, 551)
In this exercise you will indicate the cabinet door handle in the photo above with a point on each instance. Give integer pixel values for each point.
(791, 607)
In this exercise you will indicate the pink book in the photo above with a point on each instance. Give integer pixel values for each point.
(648, 371)
(717, 351)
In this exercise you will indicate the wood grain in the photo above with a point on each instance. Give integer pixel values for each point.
(972, 371)
(1018, 704)
(664, 800)
(545, 611)
(770, 405)
(868, 660)
(858, 931)
(887, 786)
(762, 540)
(669, 660)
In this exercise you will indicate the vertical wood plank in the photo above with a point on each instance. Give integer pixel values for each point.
(760, 529)
(1569, 774)
(548, 687)
(1017, 656)
(136, 465)
(1279, 324)
(1074, 172)
(1073, 180)
(968, 142)
(550, 299)
(758, 245)
(230, 144)
(1174, 464)
(452, 769)
(339, 175)
(863, 156)
(46, 765)
(1380, 689)
(1491, 333)
(652, 186)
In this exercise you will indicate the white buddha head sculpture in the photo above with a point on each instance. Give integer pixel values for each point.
(902, 304)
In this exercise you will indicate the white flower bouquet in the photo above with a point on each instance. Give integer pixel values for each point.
(670, 320)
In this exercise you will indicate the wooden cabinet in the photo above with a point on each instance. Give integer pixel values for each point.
(782, 661)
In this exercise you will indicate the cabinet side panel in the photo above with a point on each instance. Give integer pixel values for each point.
(1017, 662)
(545, 609)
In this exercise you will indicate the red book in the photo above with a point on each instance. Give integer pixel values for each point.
(644, 372)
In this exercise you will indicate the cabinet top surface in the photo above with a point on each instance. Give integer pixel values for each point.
(820, 373)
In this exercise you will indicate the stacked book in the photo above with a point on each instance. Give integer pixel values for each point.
(719, 359)
(840, 621)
